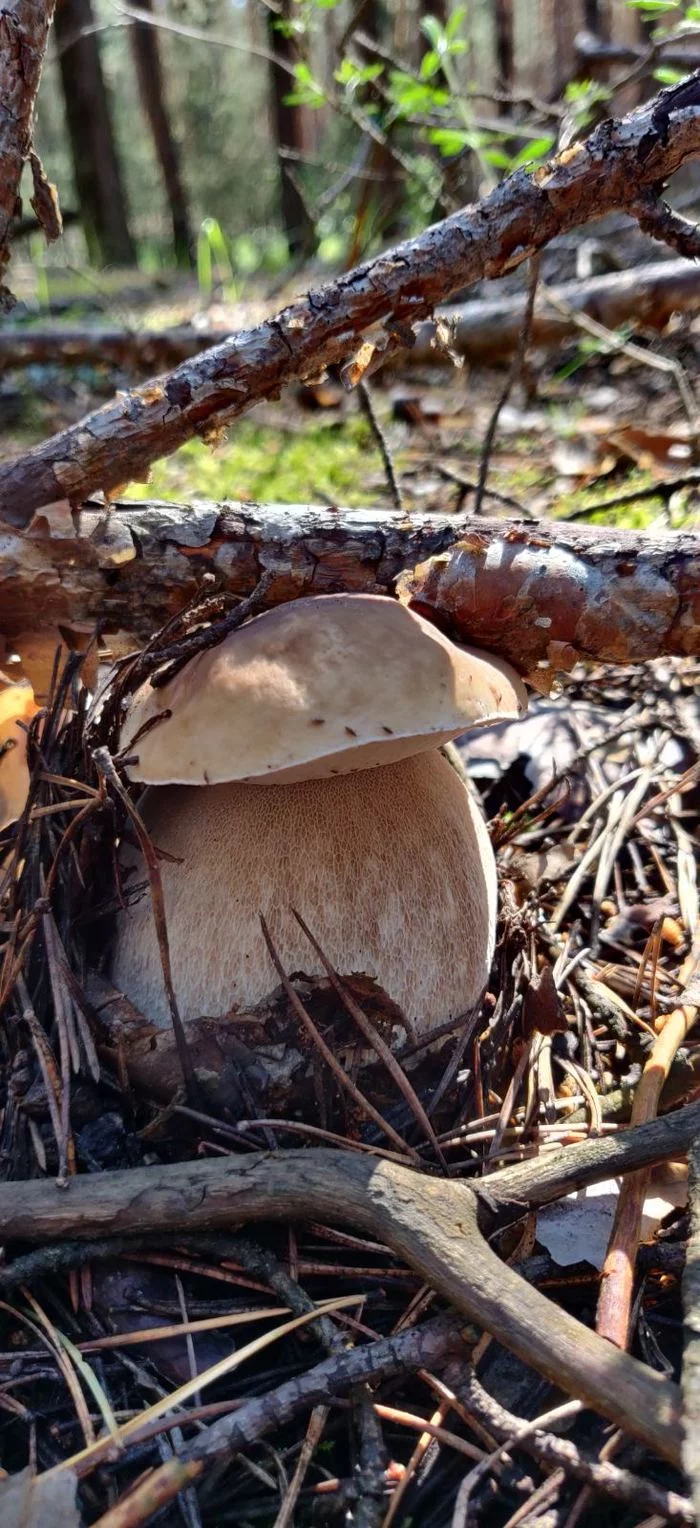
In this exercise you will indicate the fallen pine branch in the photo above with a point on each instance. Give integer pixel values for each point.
(434, 1224)
(489, 330)
(545, 593)
(141, 350)
(423, 1346)
(504, 1194)
(620, 166)
(482, 331)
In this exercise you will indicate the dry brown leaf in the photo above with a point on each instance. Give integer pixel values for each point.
(32, 1501)
(651, 450)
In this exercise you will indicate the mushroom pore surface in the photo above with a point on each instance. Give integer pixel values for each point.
(391, 868)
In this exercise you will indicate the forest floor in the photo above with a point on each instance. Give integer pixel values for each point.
(594, 807)
(579, 428)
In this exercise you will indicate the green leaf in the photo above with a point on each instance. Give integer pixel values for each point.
(450, 140)
(411, 96)
(429, 64)
(534, 150)
(435, 33)
(352, 74)
(308, 92)
(498, 157)
(668, 76)
(456, 20)
(653, 7)
(305, 98)
(347, 72)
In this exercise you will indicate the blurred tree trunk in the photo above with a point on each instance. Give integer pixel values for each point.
(97, 175)
(378, 209)
(149, 73)
(288, 123)
(503, 23)
(563, 22)
(598, 17)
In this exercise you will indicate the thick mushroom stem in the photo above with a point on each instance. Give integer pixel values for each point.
(391, 868)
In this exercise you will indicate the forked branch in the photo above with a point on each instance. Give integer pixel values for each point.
(432, 1223)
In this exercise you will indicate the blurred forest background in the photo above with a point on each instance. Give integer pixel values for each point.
(214, 156)
(320, 128)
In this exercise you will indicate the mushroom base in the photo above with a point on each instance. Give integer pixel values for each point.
(391, 868)
(262, 1056)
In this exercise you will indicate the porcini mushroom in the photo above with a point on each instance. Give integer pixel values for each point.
(17, 707)
(298, 765)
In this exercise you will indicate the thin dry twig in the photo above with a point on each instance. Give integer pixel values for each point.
(370, 413)
(553, 1452)
(331, 1061)
(618, 344)
(375, 1039)
(314, 1432)
(614, 1311)
(514, 372)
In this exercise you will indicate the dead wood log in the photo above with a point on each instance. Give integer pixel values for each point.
(24, 27)
(489, 331)
(482, 331)
(135, 350)
(432, 1223)
(621, 165)
(540, 594)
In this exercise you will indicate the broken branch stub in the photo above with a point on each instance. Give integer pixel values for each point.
(610, 171)
(541, 594)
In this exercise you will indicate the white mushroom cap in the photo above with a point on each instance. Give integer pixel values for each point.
(315, 688)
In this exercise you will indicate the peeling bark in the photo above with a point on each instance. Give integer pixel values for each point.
(620, 163)
(482, 331)
(539, 594)
(24, 28)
